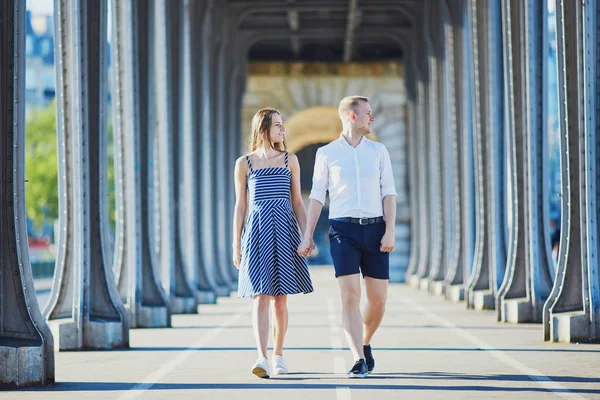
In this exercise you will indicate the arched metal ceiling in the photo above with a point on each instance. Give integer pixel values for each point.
(325, 30)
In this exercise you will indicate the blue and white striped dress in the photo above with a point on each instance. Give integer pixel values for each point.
(270, 238)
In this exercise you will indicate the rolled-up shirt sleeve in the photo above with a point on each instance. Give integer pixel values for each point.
(320, 178)
(386, 179)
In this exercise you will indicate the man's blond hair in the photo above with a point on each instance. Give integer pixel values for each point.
(350, 103)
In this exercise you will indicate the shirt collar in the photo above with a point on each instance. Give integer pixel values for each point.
(345, 142)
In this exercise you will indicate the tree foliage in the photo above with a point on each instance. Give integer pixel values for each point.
(41, 167)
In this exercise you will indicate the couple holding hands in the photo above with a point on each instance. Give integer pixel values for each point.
(269, 250)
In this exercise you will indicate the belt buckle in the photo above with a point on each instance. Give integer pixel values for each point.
(366, 221)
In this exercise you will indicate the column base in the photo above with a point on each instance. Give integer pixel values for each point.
(424, 284)
(223, 291)
(152, 317)
(22, 367)
(414, 281)
(483, 300)
(183, 305)
(570, 327)
(397, 275)
(438, 288)
(516, 310)
(455, 293)
(206, 297)
(97, 335)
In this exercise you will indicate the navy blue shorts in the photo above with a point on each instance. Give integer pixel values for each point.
(355, 248)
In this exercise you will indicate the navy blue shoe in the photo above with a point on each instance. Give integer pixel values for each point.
(369, 357)
(359, 370)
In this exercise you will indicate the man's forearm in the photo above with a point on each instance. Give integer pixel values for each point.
(389, 212)
(314, 211)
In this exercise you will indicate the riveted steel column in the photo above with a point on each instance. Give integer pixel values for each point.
(167, 33)
(571, 312)
(528, 282)
(26, 343)
(434, 42)
(233, 151)
(85, 310)
(191, 51)
(459, 95)
(206, 146)
(591, 23)
(490, 249)
(413, 157)
(221, 177)
(422, 78)
(134, 260)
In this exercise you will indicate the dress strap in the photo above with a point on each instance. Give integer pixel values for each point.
(249, 163)
(286, 159)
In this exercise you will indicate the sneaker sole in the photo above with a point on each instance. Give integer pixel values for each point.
(358, 375)
(260, 372)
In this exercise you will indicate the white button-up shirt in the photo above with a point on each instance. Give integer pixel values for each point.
(357, 178)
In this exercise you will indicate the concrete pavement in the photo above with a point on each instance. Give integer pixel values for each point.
(426, 348)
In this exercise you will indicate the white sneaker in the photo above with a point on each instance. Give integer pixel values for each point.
(261, 368)
(279, 367)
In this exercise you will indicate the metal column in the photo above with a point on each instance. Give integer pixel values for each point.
(26, 343)
(166, 30)
(434, 38)
(528, 282)
(460, 146)
(85, 310)
(134, 260)
(490, 251)
(422, 79)
(207, 154)
(571, 313)
(203, 277)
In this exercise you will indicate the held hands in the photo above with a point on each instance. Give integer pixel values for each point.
(387, 242)
(236, 256)
(306, 247)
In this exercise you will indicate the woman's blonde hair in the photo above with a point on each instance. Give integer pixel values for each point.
(261, 128)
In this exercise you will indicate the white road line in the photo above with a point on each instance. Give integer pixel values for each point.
(157, 375)
(535, 375)
(341, 392)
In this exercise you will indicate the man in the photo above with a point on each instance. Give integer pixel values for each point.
(358, 175)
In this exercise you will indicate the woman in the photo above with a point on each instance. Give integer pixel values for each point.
(267, 184)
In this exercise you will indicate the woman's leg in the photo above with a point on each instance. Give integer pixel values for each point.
(260, 323)
(280, 324)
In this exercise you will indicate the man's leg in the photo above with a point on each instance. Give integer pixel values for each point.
(373, 314)
(351, 317)
(280, 323)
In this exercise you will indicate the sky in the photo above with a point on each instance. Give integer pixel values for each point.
(40, 6)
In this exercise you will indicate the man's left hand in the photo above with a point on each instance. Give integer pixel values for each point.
(387, 242)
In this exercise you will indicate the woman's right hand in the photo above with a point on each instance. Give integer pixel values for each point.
(236, 257)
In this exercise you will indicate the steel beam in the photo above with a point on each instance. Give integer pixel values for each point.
(134, 260)
(351, 24)
(167, 31)
(26, 343)
(571, 313)
(437, 133)
(85, 310)
(190, 149)
(422, 77)
(490, 252)
(206, 146)
(222, 164)
(413, 159)
(528, 282)
(461, 137)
